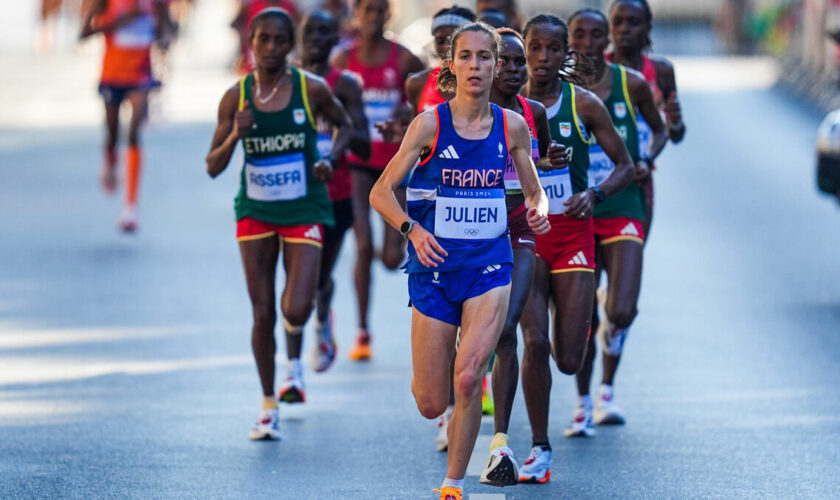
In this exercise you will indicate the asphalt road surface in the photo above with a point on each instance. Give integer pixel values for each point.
(125, 365)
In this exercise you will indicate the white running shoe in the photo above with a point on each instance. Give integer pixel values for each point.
(581, 424)
(267, 426)
(324, 351)
(611, 338)
(537, 467)
(292, 389)
(606, 411)
(501, 468)
(442, 439)
(127, 221)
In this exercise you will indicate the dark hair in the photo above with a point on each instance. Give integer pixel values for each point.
(446, 81)
(493, 17)
(577, 66)
(276, 13)
(647, 44)
(505, 31)
(594, 12)
(457, 11)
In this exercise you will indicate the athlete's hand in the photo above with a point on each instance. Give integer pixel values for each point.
(558, 156)
(244, 119)
(673, 112)
(323, 170)
(538, 222)
(580, 205)
(428, 250)
(642, 170)
(392, 131)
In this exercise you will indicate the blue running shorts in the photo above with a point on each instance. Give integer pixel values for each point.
(441, 295)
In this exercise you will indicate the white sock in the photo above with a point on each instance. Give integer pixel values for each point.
(452, 483)
(606, 389)
(295, 366)
(585, 402)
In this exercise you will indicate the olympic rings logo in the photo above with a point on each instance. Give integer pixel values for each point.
(471, 232)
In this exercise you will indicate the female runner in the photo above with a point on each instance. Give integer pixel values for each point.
(563, 278)
(630, 25)
(282, 201)
(619, 221)
(383, 66)
(459, 253)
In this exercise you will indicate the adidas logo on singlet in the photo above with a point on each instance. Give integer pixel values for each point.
(579, 260)
(313, 233)
(449, 153)
(629, 230)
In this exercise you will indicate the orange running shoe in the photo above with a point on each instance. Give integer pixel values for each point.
(450, 493)
(361, 349)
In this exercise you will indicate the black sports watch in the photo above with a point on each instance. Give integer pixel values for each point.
(599, 194)
(406, 227)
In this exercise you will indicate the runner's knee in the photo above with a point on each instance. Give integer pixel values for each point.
(265, 317)
(507, 341)
(538, 348)
(296, 311)
(467, 382)
(621, 315)
(569, 364)
(392, 260)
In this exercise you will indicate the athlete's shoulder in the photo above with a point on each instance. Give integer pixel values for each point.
(637, 85)
(587, 103)
(418, 78)
(514, 120)
(313, 81)
(349, 81)
(662, 64)
(537, 107)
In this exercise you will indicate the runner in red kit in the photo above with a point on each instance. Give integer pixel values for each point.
(130, 28)
(320, 34)
(630, 25)
(248, 10)
(383, 66)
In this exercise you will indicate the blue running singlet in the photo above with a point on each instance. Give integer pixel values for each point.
(457, 193)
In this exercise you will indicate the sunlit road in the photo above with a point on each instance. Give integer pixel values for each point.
(125, 366)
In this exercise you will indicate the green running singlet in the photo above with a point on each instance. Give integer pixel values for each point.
(630, 202)
(277, 185)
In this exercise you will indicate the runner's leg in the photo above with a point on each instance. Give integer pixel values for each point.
(506, 367)
(482, 321)
(536, 371)
(259, 259)
(302, 264)
(623, 263)
(363, 182)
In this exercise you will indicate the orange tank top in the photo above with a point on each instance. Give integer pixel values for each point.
(127, 58)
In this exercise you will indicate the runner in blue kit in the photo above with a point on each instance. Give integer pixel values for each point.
(459, 253)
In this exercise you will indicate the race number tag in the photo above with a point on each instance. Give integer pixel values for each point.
(278, 178)
(470, 214)
(378, 111)
(600, 165)
(511, 177)
(645, 134)
(324, 144)
(557, 185)
(138, 34)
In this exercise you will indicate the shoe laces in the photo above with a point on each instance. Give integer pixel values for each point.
(449, 493)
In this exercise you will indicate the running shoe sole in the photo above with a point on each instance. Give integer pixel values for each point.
(292, 395)
(256, 435)
(504, 474)
(583, 433)
(536, 480)
(609, 419)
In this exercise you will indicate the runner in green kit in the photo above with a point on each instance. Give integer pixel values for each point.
(282, 203)
(563, 278)
(619, 232)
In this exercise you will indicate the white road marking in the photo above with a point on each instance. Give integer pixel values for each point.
(487, 496)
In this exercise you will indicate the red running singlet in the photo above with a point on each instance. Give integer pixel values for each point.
(339, 188)
(430, 97)
(383, 89)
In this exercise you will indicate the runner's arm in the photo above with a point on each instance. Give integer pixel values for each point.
(414, 88)
(419, 138)
(227, 132)
(94, 24)
(325, 104)
(597, 120)
(349, 92)
(667, 81)
(519, 148)
(642, 98)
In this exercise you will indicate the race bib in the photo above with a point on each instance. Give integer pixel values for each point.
(138, 34)
(377, 111)
(645, 134)
(600, 165)
(557, 185)
(278, 178)
(511, 177)
(324, 144)
(470, 214)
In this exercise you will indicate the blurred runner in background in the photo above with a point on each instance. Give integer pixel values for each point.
(248, 9)
(320, 33)
(130, 28)
(383, 66)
